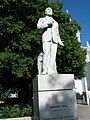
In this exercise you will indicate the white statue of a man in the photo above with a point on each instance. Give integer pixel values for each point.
(50, 39)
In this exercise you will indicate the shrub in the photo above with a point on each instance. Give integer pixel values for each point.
(14, 111)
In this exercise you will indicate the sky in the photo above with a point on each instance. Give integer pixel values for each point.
(80, 11)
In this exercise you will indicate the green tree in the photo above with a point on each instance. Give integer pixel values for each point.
(20, 42)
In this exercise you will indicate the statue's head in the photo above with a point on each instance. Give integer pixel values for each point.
(48, 11)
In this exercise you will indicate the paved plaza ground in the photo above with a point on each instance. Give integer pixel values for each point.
(83, 112)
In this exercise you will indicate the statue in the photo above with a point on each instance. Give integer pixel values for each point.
(88, 52)
(50, 39)
(40, 63)
(78, 36)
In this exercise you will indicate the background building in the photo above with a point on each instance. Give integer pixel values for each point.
(83, 85)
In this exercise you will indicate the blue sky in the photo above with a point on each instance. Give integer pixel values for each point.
(80, 11)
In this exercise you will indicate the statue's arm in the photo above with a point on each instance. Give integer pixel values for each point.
(59, 38)
(42, 23)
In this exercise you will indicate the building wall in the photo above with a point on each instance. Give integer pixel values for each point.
(87, 69)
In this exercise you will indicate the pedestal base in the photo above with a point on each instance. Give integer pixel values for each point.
(54, 97)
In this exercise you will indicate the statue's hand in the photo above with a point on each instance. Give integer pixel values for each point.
(61, 43)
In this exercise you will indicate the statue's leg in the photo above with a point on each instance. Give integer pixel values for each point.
(52, 63)
(46, 56)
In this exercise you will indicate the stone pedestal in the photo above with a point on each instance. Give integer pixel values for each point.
(54, 97)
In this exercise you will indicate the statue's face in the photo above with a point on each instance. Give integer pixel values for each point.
(48, 11)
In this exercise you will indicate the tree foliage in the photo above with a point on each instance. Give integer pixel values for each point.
(20, 41)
